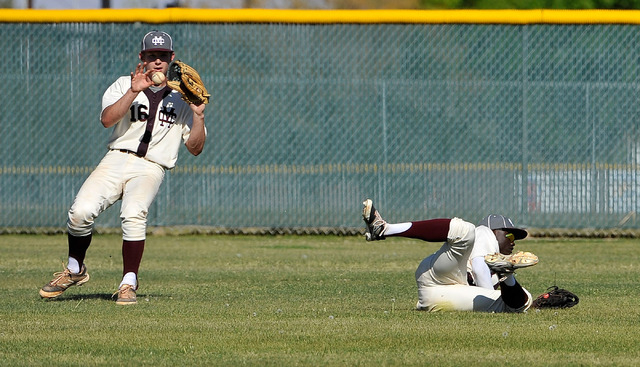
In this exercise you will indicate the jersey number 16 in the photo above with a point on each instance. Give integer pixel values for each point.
(140, 110)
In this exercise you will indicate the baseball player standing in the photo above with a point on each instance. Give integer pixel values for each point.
(149, 122)
(442, 277)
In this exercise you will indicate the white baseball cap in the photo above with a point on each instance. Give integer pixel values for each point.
(497, 221)
(157, 41)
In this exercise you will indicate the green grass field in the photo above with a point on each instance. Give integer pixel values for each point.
(307, 301)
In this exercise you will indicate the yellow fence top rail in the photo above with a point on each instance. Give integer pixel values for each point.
(181, 15)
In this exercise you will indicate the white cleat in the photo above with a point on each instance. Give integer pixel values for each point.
(376, 226)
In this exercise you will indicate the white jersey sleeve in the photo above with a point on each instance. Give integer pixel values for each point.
(115, 91)
(158, 119)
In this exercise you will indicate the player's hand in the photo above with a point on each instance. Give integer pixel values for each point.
(141, 80)
(197, 109)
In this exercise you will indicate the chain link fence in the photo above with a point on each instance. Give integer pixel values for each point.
(537, 122)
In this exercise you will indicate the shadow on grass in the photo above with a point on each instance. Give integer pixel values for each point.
(102, 296)
(78, 297)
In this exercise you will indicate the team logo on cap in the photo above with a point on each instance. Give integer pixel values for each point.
(157, 41)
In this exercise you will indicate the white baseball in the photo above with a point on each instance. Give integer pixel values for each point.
(158, 78)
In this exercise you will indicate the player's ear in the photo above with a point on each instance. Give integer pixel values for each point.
(173, 56)
(140, 56)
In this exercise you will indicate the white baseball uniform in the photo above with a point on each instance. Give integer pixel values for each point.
(442, 277)
(485, 243)
(142, 146)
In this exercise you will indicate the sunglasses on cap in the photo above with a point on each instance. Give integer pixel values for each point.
(510, 236)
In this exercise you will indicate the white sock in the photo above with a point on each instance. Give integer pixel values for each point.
(396, 228)
(73, 265)
(510, 281)
(130, 278)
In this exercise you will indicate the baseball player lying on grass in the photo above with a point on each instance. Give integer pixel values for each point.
(442, 279)
(149, 120)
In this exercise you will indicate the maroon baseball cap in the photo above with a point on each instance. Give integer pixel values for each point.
(157, 41)
(497, 221)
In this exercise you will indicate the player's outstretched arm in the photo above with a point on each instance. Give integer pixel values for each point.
(198, 135)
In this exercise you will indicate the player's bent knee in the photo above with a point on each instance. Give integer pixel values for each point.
(80, 220)
(460, 230)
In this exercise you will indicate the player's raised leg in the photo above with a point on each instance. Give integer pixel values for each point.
(432, 230)
(99, 191)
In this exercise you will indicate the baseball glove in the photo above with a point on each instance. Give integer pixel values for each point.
(555, 297)
(186, 80)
